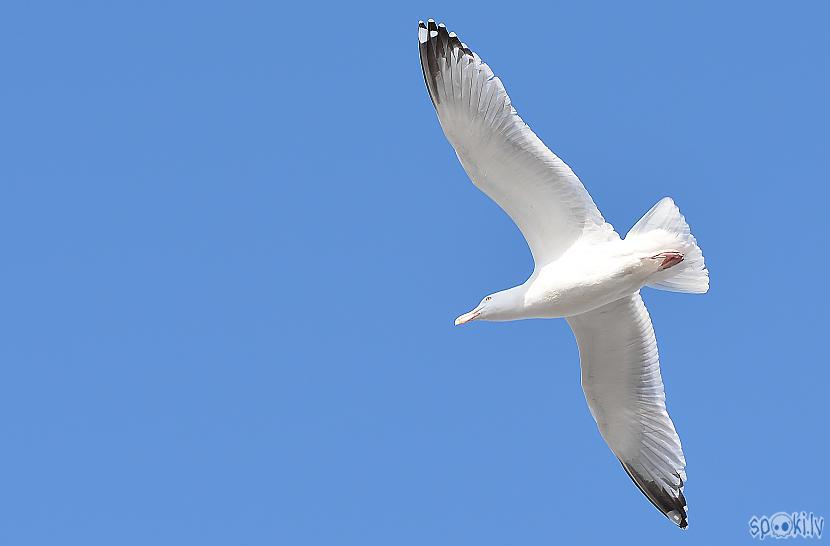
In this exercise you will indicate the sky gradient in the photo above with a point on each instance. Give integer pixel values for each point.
(235, 240)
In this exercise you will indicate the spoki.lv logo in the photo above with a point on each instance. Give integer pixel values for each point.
(786, 525)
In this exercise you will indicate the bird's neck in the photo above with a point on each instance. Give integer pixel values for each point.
(511, 304)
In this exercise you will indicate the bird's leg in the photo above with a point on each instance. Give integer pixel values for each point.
(668, 259)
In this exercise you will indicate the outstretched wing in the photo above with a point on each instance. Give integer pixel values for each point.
(500, 153)
(622, 383)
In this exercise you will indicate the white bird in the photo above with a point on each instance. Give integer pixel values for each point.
(583, 271)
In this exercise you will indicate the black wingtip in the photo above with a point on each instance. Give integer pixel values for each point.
(438, 34)
(673, 508)
(453, 37)
(442, 32)
(439, 49)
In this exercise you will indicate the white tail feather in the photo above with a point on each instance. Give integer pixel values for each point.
(665, 226)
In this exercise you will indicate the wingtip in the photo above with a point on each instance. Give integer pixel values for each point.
(431, 29)
(673, 507)
(440, 50)
(679, 519)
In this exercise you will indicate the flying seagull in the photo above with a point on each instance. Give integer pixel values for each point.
(583, 270)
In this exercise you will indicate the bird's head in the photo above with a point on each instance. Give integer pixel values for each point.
(504, 305)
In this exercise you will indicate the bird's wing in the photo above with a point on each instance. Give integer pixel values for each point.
(500, 153)
(622, 383)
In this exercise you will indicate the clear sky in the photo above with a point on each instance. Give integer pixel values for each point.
(235, 239)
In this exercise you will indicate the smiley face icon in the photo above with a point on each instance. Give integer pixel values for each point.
(781, 525)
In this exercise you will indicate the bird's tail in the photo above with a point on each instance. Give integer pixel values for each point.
(664, 227)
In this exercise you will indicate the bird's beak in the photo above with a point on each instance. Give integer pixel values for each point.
(467, 317)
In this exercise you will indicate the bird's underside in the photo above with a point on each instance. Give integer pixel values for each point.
(618, 350)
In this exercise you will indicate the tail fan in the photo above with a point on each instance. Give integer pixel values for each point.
(665, 223)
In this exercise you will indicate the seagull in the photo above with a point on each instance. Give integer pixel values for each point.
(583, 271)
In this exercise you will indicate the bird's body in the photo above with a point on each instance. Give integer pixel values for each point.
(587, 277)
(584, 271)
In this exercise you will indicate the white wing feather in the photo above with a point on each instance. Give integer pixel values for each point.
(500, 153)
(622, 383)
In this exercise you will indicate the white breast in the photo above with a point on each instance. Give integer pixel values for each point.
(586, 278)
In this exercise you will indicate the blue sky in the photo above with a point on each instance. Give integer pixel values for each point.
(235, 240)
